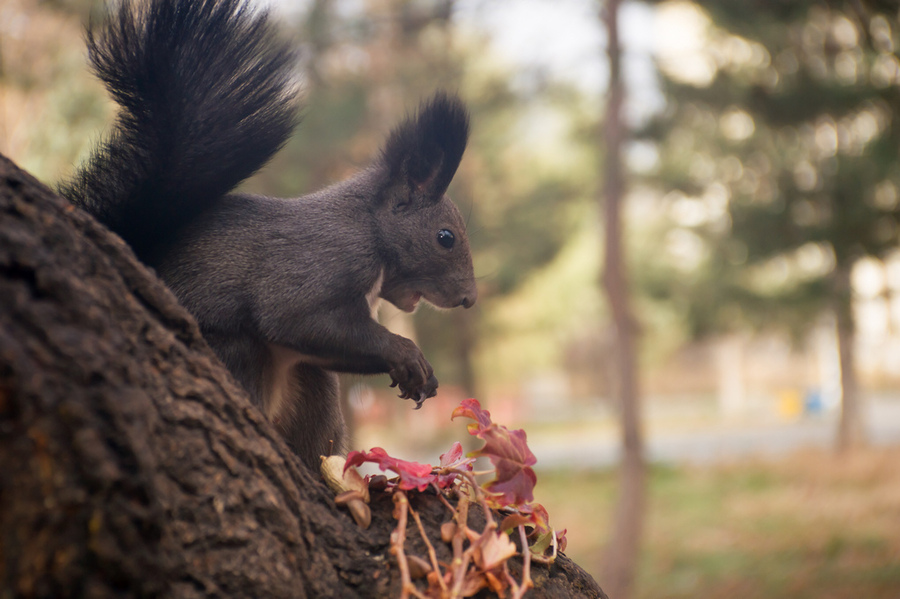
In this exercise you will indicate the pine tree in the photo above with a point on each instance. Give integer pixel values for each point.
(789, 157)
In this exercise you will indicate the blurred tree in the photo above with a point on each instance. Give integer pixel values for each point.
(782, 154)
(623, 551)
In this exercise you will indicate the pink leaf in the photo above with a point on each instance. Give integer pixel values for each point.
(561, 541)
(470, 408)
(508, 452)
(412, 474)
(453, 460)
(496, 549)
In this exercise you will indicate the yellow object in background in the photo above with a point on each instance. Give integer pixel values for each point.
(790, 404)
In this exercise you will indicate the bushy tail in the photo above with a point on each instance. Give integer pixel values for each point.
(208, 93)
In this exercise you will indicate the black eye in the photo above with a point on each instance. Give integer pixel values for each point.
(446, 238)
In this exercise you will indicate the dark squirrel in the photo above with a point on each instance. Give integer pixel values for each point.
(283, 289)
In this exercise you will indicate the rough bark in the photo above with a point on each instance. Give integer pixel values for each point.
(620, 560)
(132, 465)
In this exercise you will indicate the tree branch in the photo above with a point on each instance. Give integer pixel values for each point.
(133, 465)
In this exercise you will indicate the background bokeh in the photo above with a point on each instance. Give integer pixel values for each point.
(761, 237)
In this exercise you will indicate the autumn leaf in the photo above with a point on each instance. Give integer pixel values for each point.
(542, 543)
(508, 452)
(514, 520)
(470, 408)
(472, 583)
(453, 460)
(561, 540)
(537, 515)
(412, 474)
(496, 549)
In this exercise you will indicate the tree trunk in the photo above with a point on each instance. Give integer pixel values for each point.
(851, 434)
(132, 463)
(622, 555)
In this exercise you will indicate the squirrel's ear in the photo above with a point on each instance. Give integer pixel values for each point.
(423, 152)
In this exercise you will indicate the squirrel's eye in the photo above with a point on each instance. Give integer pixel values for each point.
(445, 238)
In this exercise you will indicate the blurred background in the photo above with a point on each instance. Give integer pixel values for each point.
(684, 219)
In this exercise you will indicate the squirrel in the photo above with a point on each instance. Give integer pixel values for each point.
(284, 290)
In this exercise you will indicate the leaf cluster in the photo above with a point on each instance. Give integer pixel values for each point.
(480, 557)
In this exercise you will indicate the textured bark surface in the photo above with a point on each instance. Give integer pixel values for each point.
(132, 465)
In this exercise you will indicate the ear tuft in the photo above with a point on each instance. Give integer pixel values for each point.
(427, 148)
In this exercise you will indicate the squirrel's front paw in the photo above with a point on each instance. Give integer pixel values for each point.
(428, 390)
(414, 375)
(418, 392)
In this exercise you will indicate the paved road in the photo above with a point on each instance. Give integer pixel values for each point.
(708, 445)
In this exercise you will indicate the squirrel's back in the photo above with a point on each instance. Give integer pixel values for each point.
(207, 94)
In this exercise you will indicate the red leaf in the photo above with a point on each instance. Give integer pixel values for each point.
(561, 541)
(513, 521)
(470, 408)
(452, 456)
(412, 474)
(453, 460)
(533, 515)
(512, 459)
(537, 515)
(508, 452)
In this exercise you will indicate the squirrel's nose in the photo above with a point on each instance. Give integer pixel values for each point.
(469, 300)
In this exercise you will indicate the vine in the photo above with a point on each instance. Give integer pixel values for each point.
(480, 558)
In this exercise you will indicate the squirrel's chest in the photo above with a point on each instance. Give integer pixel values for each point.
(279, 382)
(373, 298)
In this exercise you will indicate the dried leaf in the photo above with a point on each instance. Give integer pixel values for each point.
(472, 583)
(496, 549)
(514, 520)
(497, 585)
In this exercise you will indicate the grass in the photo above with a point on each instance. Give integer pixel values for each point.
(810, 525)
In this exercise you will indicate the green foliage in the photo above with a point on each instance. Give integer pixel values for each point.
(798, 136)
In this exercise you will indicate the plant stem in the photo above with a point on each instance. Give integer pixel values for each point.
(398, 538)
(431, 553)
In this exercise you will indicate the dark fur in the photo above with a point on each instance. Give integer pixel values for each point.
(281, 287)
